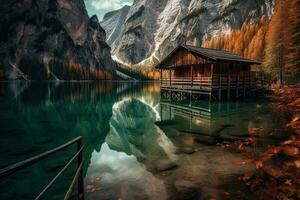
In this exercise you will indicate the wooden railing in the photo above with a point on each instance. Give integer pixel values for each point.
(7, 171)
(216, 81)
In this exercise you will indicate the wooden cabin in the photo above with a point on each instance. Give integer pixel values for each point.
(202, 71)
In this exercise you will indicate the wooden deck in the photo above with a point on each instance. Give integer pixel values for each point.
(215, 86)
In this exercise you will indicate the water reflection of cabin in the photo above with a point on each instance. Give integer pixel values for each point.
(203, 71)
(206, 116)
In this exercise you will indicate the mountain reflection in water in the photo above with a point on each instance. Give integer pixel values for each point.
(128, 131)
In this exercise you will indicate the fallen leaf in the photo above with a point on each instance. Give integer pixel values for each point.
(244, 162)
(288, 182)
(295, 119)
(258, 164)
(272, 172)
(227, 193)
(291, 151)
(247, 176)
(241, 146)
(297, 163)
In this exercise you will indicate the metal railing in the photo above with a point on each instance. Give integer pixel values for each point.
(7, 171)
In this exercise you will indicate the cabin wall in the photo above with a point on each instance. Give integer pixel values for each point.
(184, 58)
(181, 61)
(183, 72)
(198, 71)
(202, 70)
(231, 68)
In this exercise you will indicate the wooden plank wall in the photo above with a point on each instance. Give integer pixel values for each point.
(183, 58)
(231, 68)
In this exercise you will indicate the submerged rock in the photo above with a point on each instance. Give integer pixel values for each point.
(186, 189)
(163, 165)
(186, 150)
(206, 140)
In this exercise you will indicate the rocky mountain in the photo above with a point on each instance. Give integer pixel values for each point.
(52, 39)
(152, 28)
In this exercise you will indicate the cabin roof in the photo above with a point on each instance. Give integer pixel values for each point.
(213, 54)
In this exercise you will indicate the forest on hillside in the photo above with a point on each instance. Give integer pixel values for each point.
(275, 42)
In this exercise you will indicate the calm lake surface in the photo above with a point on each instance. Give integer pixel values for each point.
(130, 137)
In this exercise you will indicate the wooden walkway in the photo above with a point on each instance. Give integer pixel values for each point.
(215, 87)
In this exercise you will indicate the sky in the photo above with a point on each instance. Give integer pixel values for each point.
(101, 7)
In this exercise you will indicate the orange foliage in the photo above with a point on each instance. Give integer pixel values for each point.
(277, 171)
(283, 42)
(249, 41)
(293, 40)
(78, 72)
(276, 42)
(153, 75)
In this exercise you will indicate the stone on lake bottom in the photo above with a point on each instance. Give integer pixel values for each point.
(163, 165)
(186, 189)
(187, 150)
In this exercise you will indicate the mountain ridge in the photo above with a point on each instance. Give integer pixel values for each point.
(156, 27)
(52, 40)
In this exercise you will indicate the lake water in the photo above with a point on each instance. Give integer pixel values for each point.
(131, 136)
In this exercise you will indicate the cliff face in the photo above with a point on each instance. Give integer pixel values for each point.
(51, 39)
(154, 27)
(113, 22)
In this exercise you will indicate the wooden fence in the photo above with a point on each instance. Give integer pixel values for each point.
(214, 82)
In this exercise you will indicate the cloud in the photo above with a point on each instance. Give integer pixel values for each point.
(109, 4)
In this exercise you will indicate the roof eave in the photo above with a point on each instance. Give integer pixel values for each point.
(242, 61)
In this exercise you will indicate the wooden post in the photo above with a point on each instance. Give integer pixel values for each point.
(170, 76)
(220, 88)
(228, 87)
(170, 113)
(237, 86)
(250, 78)
(192, 73)
(244, 86)
(211, 70)
(161, 76)
(212, 80)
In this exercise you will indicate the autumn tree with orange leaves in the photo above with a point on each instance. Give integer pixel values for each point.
(293, 42)
(274, 41)
(249, 41)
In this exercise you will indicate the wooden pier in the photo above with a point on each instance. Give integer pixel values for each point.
(215, 87)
